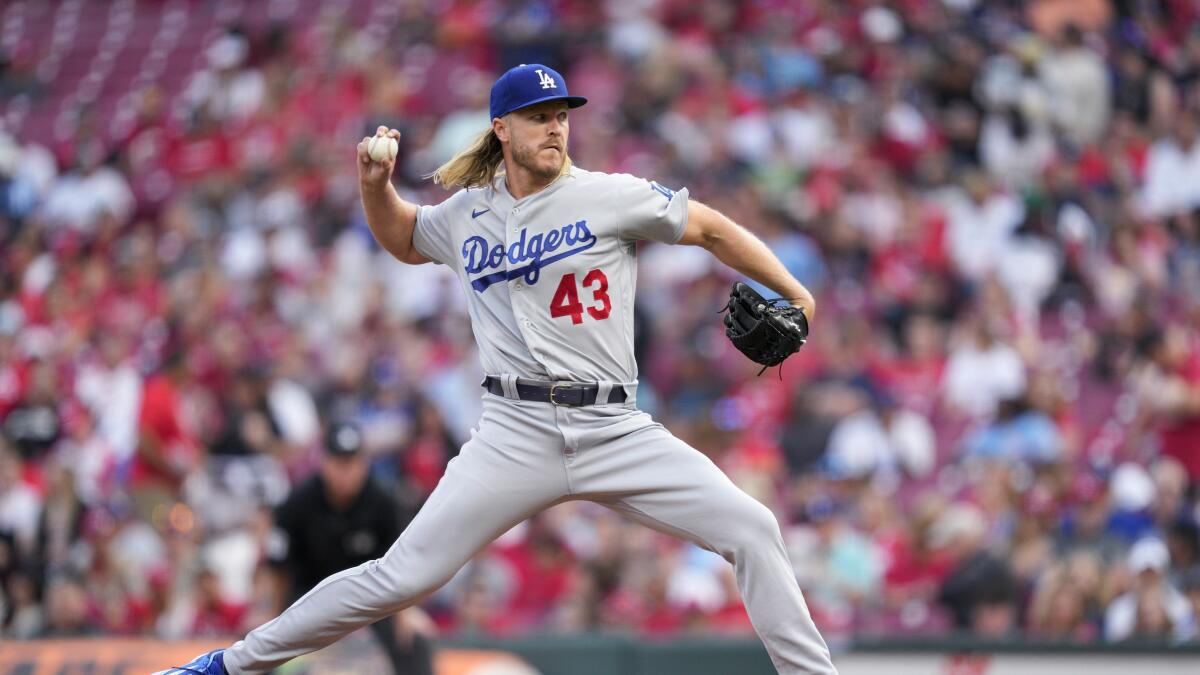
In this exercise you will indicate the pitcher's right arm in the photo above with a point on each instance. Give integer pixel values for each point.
(390, 218)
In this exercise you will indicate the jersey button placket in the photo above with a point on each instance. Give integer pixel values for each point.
(517, 285)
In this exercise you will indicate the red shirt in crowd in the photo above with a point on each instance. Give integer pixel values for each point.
(160, 419)
(1180, 438)
(542, 581)
(219, 617)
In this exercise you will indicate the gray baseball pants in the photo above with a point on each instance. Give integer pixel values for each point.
(522, 458)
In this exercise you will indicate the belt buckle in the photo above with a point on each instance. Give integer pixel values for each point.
(553, 388)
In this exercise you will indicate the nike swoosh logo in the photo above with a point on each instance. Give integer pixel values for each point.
(476, 214)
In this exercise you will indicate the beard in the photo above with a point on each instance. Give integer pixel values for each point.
(527, 158)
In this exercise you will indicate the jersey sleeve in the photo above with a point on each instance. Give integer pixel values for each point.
(431, 236)
(650, 211)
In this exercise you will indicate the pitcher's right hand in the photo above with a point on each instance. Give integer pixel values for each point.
(374, 175)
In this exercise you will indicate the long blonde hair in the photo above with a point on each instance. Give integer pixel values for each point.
(478, 165)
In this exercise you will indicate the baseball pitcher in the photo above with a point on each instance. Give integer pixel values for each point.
(545, 253)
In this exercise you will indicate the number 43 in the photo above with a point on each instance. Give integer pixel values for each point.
(566, 298)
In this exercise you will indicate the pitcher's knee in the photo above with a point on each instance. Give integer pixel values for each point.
(757, 527)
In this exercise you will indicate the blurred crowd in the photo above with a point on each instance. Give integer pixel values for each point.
(994, 429)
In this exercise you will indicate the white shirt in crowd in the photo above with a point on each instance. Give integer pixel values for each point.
(78, 201)
(978, 233)
(114, 396)
(1015, 162)
(978, 378)
(1078, 82)
(862, 444)
(1172, 182)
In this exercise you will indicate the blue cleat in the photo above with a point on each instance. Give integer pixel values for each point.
(212, 663)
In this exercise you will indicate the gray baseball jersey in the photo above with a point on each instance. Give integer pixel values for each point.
(550, 278)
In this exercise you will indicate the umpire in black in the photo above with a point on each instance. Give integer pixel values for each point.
(338, 519)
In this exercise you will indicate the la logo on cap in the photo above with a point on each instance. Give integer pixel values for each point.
(546, 80)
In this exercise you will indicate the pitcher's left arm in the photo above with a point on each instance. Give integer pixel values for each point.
(738, 248)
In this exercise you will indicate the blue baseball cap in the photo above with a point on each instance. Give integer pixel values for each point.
(527, 84)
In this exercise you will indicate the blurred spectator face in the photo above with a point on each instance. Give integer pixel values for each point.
(1045, 392)
(958, 531)
(10, 468)
(1093, 515)
(1193, 595)
(874, 510)
(66, 607)
(923, 336)
(977, 187)
(981, 333)
(1131, 65)
(1183, 544)
(827, 521)
(1152, 619)
(993, 620)
(114, 347)
(477, 606)
(44, 384)
(1185, 131)
(930, 293)
(22, 592)
(1066, 610)
(1171, 482)
(1173, 351)
(249, 389)
(536, 138)
(1085, 571)
(209, 587)
(344, 476)
(1148, 560)
(1125, 245)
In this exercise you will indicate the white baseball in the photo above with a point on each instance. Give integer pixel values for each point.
(382, 147)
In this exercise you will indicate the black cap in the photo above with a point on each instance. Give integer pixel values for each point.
(343, 439)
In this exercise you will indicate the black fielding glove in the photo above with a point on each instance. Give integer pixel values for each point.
(764, 330)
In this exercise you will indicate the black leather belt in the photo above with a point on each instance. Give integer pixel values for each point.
(559, 393)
